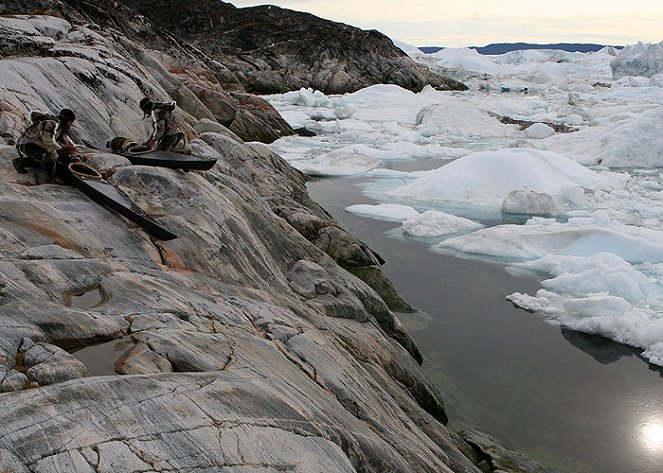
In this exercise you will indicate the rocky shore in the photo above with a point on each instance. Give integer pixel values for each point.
(252, 348)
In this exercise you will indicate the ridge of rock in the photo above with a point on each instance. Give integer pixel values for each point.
(274, 50)
(241, 332)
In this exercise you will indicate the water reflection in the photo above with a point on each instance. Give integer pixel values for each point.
(652, 437)
(509, 373)
(602, 349)
(101, 359)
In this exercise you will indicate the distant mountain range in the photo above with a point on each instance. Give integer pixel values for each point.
(501, 48)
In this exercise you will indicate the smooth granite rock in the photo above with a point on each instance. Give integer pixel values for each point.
(246, 347)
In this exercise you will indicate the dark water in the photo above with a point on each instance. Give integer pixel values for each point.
(576, 402)
(100, 359)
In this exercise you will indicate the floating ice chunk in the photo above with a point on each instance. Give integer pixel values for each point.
(468, 59)
(539, 130)
(528, 202)
(573, 110)
(601, 217)
(638, 60)
(572, 120)
(344, 111)
(596, 306)
(434, 224)
(654, 353)
(573, 194)
(514, 87)
(485, 178)
(311, 98)
(342, 162)
(390, 212)
(634, 141)
(630, 81)
(600, 294)
(445, 119)
(601, 273)
(544, 237)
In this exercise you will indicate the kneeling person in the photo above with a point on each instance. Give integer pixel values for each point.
(165, 135)
(45, 142)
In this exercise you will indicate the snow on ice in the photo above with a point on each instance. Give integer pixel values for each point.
(599, 249)
(485, 178)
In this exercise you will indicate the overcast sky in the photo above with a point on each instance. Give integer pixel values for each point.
(478, 22)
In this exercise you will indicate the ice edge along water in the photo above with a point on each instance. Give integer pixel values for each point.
(594, 196)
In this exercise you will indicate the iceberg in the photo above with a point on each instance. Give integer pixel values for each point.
(484, 179)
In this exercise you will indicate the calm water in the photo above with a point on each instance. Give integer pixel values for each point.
(576, 402)
(101, 359)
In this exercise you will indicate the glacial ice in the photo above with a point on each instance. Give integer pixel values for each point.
(601, 256)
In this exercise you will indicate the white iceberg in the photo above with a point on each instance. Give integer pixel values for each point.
(485, 178)
(638, 60)
(390, 212)
(600, 294)
(433, 223)
(542, 237)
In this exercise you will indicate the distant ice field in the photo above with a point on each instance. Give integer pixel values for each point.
(588, 203)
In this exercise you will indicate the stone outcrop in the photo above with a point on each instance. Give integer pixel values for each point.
(243, 333)
(101, 42)
(274, 50)
(250, 348)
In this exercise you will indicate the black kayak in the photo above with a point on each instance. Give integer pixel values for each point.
(89, 181)
(164, 159)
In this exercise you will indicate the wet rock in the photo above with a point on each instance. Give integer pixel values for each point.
(344, 248)
(500, 458)
(375, 278)
(303, 131)
(326, 235)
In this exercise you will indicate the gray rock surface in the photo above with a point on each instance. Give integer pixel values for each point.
(48, 364)
(13, 380)
(115, 68)
(226, 354)
(274, 50)
(213, 308)
(252, 350)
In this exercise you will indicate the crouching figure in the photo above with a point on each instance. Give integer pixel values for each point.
(166, 135)
(45, 142)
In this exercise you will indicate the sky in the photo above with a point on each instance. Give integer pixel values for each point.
(457, 23)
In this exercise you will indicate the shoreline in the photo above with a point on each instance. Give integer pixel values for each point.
(535, 400)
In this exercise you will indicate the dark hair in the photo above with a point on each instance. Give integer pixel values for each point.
(67, 115)
(145, 103)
